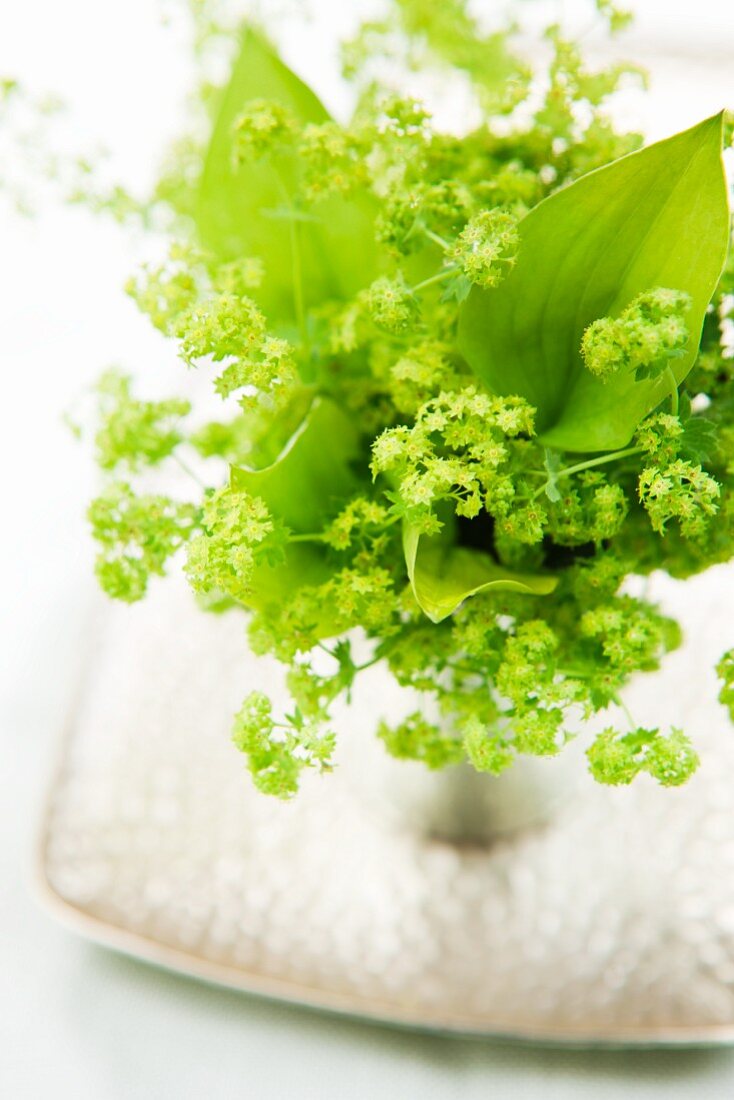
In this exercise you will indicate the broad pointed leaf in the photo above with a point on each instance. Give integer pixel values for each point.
(238, 209)
(312, 475)
(303, 488)
(443, 575)
(656, 218)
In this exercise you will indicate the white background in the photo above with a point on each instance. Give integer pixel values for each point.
(74, 1019)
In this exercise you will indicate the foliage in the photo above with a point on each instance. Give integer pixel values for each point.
(600, 248)
(469, 384)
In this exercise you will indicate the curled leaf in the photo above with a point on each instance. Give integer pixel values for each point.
(443, 575)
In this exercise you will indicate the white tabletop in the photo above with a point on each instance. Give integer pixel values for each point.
(77, 1020)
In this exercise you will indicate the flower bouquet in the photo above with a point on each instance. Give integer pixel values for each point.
(471, 385)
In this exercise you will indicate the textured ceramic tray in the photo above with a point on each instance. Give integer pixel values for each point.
(614, 923)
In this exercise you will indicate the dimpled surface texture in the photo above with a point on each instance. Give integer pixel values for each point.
(614, 922)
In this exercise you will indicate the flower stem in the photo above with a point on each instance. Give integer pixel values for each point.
(625, 710)
(674, 400)
(187, 470)
(436, 239)
(297, 270)
(600, 461)
(305, 538)
(444, 274)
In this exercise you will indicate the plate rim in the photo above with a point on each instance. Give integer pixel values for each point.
(158, 953)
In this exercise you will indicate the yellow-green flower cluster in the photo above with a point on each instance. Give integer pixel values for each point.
(333, 161)
(457, 449)
(415, 738)
(264, 127)
(725, 672)
(136, 433)
(617, 759)
(486, 247)
(278, 752)
(682, 492)
(136, 534)
(646, 336)
(237, 531)
(391, 305)
(232, 327)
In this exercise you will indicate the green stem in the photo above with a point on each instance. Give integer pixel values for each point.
(436, 239)
(444, 274)
(466, 670)
(357, 668)
(591, 462)
(368, 664)
(306, 538)
(297, 267)
(298, 283)
(674, 400)
(623, 707)
(187, 470)
(612, 457)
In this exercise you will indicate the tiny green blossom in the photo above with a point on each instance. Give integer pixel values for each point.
(334, 161)
(486, 749)
(680, 491)
(165, 291)
(271, 371)
(486, 248)
(231, 327)
(402, 116)
(418, 739)
(360, 517)
(725, 672)
(264, 127)
(137, 534)
(538, 732)
(222, 326)
(616, 760)
(413, 211)
(239, 277)
(619, 18)
(237, 533)
(391, 305)
(649, 333)
(135, 432)
(278, 752)
(425, 369)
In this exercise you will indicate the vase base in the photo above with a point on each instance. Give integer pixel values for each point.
(613, 923)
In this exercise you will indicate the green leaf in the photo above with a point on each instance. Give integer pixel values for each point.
(656, 218)
(443, 576)
(240, 209)
(312, 476)
(303, 488)
(552, 464)
(698, 442)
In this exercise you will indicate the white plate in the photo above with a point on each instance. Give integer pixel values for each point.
(613, 924)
